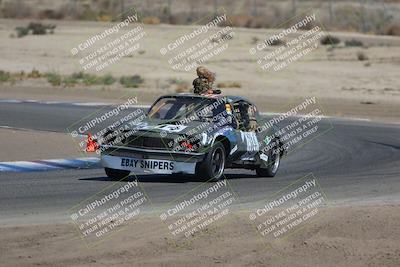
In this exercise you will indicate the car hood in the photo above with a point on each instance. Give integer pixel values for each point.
(172, 127)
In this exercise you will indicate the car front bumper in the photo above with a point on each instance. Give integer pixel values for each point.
(149, 161)
(147, 165)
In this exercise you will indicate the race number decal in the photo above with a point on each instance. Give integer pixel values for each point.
(250, 139)
(264, 157)
(172, 128)
(142, 126)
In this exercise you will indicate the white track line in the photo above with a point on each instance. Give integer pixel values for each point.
(49, 164)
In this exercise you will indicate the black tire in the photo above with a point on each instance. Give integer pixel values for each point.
(116, 174)
(274, 160)
(213, 166)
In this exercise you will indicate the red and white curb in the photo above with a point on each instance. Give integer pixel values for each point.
(50, 164)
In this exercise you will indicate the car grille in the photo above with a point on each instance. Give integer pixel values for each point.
(149, 142)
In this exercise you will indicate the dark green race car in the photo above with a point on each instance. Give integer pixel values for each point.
(194, 134)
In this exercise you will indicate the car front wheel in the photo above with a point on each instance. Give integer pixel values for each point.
(274, 160)
(212, 168)
(116, 174)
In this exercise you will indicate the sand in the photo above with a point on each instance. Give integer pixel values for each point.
(337, 236)
(35, 145)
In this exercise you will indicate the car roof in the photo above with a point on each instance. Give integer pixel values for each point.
(231, 98)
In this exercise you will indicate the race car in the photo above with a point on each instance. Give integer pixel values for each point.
(194, 134)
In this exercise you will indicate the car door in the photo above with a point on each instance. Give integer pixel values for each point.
(247, 141)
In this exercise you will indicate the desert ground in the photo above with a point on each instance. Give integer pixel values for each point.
(361, 233)
(31, 145)
(340, 236)
(344, 85)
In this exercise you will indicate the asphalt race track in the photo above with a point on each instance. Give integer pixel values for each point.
(355, 161)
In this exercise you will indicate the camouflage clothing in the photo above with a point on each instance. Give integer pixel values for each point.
(203, 83)
(252, 126)
(201, 86)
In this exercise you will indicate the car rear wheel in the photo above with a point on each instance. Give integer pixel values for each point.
(212, 168)
(274, 160)
(116, 174)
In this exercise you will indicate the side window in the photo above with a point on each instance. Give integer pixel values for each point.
(245, 114)
(224, 115)
(237, 115)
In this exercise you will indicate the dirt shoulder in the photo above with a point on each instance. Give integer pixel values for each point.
(338, 236)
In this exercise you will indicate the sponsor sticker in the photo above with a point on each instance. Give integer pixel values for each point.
(145, 164)
(264, 157)
(171, 128)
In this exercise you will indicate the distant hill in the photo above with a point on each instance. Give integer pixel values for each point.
(350, 15)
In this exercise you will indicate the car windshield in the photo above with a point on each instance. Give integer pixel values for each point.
(179, 108)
